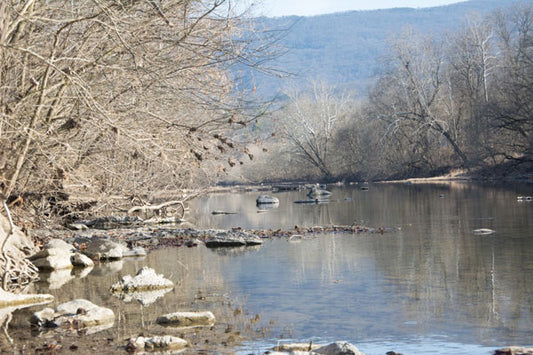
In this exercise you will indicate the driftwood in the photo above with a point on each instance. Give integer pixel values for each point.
(156, 209)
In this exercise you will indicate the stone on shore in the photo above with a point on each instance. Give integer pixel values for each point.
(77, 314)
(145, 280)
(514, 350)
(338, 348)
(166, 342)
(187, 319)
(58, 255)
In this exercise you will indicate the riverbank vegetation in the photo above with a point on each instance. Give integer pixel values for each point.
(109, 98)
(458, 102)
(111, 101)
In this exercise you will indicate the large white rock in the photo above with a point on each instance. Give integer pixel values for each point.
(52, 259)
(58, 254)
(145, 280)
(81, 313)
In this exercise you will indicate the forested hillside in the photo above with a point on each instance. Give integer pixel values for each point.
(347, 48)
(436, 103)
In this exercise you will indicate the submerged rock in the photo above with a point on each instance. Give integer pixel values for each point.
(187, 319)
(145, 280)
(166, 342)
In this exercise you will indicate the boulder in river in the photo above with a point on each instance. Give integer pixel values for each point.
(74, 315)
(266, 200)
(145, 280)
(317, 192)
(187, 319)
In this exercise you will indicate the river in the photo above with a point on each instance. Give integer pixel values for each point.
(430, 286)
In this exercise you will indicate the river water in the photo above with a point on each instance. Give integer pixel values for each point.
(431, 286)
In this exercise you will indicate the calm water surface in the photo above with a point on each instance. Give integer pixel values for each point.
(432, 287)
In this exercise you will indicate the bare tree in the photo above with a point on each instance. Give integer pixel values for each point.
(409, 96)
(104, 98)
(311, 119)
(471, 64)
(512, 109)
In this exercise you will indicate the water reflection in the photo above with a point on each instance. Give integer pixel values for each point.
(432, 287)
(434, 278)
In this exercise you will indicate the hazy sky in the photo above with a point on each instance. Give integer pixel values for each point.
(316, 7)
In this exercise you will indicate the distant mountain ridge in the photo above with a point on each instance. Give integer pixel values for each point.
(345, 48)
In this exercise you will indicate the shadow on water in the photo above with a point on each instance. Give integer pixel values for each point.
(432, 287)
